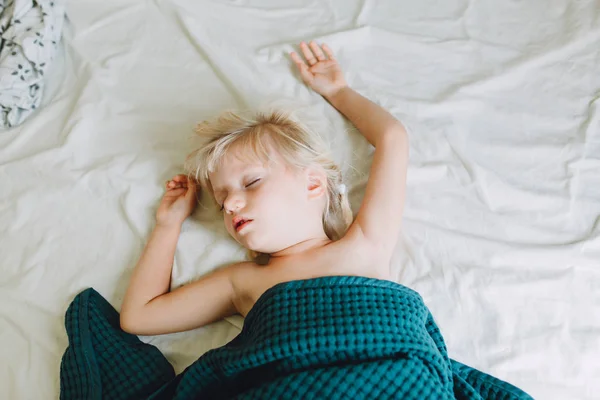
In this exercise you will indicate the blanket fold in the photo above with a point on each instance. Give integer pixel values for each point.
(330, 337)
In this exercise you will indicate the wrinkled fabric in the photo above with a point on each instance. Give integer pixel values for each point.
(501, 231)
(336, 337)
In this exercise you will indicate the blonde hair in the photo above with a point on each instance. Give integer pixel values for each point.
(299, 146)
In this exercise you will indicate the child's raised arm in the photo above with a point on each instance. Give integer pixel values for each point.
(380, 214)
(149, 308)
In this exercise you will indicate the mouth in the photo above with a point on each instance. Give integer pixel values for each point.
(240, 223)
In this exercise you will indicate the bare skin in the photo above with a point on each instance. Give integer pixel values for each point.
(149, 308)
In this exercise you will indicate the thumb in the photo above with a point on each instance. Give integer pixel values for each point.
(306, 75)
(191, 190)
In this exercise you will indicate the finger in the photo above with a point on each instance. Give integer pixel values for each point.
(302, 67)
(328, 51)
(175, 192)
(297, 59)
(305, 73)
(191, 190)
(317, 51)
(310, 57)
(180, 178)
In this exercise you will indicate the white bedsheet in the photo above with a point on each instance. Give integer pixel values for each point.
(501, 232)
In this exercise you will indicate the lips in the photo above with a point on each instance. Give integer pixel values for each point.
(240, 222)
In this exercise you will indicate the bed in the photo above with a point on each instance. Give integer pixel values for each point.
(501, 231)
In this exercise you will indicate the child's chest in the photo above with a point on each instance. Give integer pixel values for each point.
(256, 281)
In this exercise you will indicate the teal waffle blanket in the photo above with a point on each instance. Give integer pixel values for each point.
(336, 337)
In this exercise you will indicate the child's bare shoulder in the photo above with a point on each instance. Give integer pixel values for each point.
(248, 281)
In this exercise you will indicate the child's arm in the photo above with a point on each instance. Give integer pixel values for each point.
(149, 308)
(380, 214)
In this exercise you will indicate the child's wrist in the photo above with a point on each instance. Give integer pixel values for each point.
(336, 95)
(174, 226)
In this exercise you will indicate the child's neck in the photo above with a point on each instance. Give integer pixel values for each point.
(301, 247)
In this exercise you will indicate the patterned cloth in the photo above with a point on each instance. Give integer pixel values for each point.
(29, 34)
(333, 338)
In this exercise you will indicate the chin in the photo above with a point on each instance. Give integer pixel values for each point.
(250, 244)
(258, 247)
(260, 243)
(268, 249)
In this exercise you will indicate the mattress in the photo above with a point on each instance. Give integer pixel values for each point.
(501, 231)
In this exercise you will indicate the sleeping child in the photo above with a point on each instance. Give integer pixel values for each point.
(323, 318)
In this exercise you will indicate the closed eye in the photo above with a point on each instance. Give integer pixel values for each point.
(253, 182)
(247, 186)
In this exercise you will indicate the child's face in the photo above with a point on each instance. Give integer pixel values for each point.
(278, 200)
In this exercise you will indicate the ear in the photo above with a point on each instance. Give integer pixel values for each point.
(316, 183)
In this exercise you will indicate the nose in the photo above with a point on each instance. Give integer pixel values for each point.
(234, 202)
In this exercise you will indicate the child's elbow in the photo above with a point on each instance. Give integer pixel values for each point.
(128, 324)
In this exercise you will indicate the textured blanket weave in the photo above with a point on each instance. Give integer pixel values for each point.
(332, 337)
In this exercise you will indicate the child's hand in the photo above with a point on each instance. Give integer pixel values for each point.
(323, 75)
(178, 202)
